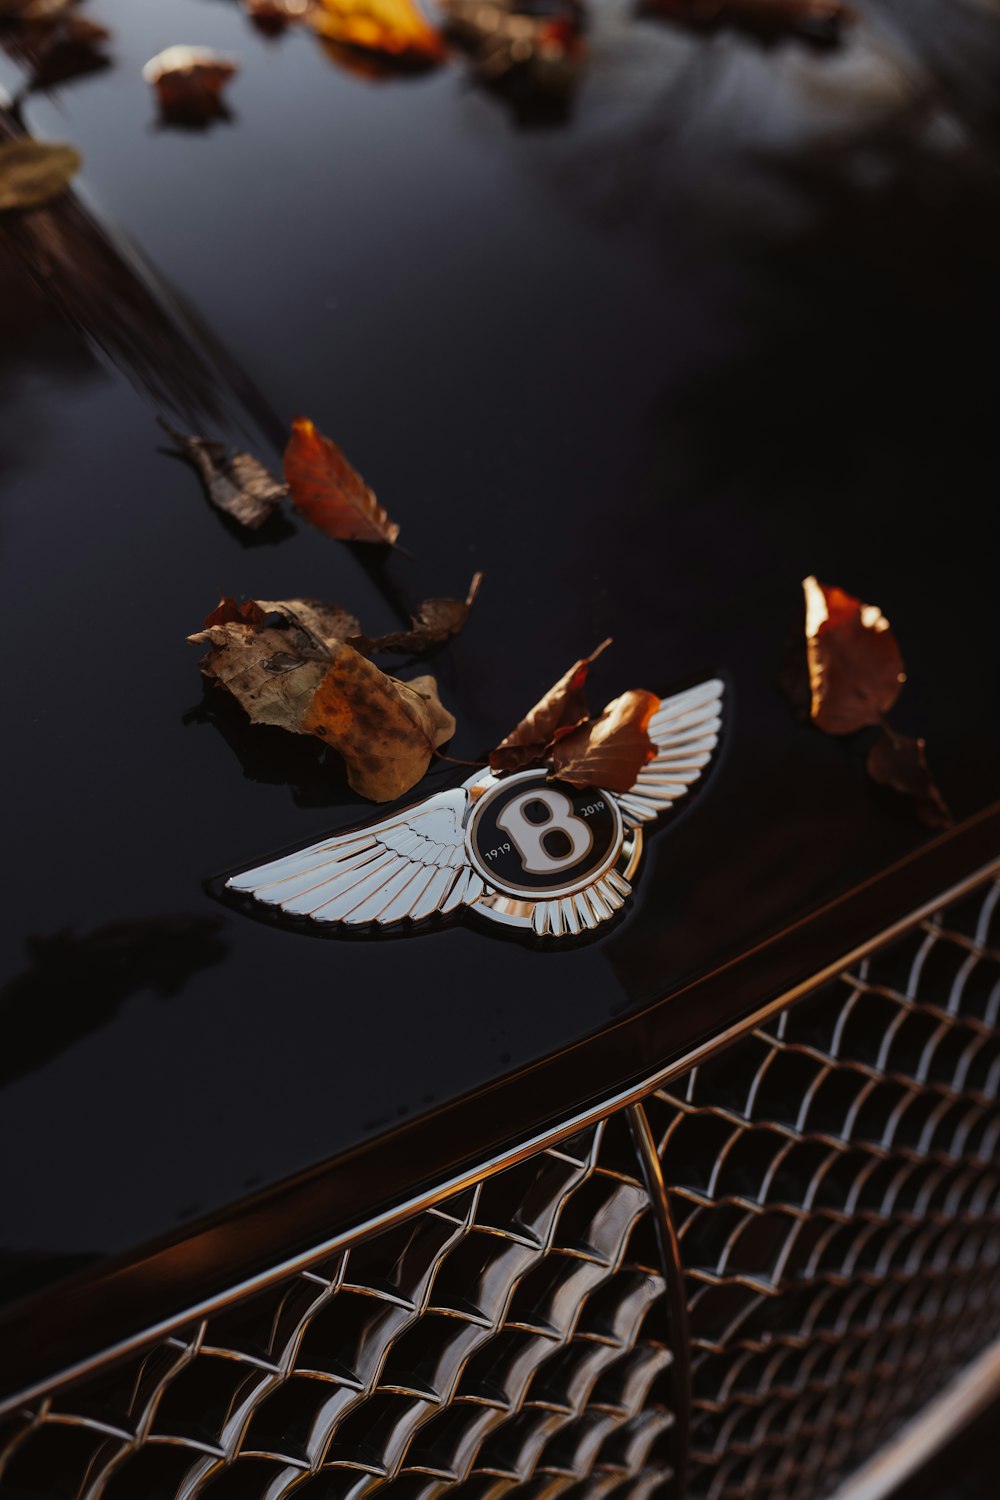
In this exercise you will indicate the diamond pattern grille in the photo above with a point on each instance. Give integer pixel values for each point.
(832, 1183)
(513, 1336)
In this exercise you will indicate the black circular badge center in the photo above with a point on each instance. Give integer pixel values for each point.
(536, 837)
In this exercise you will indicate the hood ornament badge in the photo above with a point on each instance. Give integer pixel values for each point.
(520, 849)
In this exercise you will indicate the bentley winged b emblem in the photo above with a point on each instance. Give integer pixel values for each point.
(517, 848)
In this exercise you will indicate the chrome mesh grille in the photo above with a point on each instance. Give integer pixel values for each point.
(824, 1255)
(514, 1335)
(834, 1184)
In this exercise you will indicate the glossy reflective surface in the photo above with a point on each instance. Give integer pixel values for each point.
(725, 326)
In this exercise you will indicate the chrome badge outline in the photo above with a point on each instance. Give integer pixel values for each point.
(426, 859)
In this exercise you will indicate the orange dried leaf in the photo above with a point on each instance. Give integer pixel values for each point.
(562, 708)
(855, 666)
(611, 750)
(386, 730)
(394, 27)
(899, 762)
(329, 492)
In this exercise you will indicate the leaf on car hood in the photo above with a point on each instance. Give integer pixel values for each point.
(560, 710)
(240, 486)
(855, 666)
(329, 492)
(386, 730)
(611, 750)
(33, 173)
(899, 762)
(188, 82)
(287, 663)
(394, 27)
(855, 675)
(435, 621)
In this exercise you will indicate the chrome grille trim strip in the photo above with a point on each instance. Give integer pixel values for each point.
(540, 1141)
(966, 1398)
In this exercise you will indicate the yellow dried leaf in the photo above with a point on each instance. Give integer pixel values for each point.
(33, 173)
(393, 26)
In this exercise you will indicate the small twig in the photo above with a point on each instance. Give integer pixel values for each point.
(479, 765)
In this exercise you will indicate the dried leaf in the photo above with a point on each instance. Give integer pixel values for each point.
(227, 612)
(505, 37)
(329, 493)
(188, 82)
(899, 762)
(855, 667)
(240, 486)
(611, 750)
(267, 670)
(562, 708)
(394, 27)
(322, 624)
(273, 16)
(386, 730)
(287, 664)
(33, 173)
(436, 620)
(325, 624)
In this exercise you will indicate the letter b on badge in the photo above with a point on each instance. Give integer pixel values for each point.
(529, 837)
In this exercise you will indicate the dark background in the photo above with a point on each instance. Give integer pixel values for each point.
(732, 321)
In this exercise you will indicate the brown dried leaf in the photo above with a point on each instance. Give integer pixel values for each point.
(323, 624)
(188, 82)
(855, 667)
(33, 173)
(240, 486)
(267, 670)
(562, 708)
(899, 762)
(435, 621)
(329, 492)
(386, 730)
(611, 750)
(326, 624)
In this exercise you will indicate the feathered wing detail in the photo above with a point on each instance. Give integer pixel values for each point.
(411, 865)
(685, 731)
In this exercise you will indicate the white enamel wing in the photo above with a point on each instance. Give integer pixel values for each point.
(415, 863)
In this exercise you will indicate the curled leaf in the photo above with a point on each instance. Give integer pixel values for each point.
(329, 492)
(611, 750)
(435, 621)
(562, 708)
(855, 667)
(899, 762)
(239, 486)
(386, 730)
(188, 82)
(33, 173)
(394, 27)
